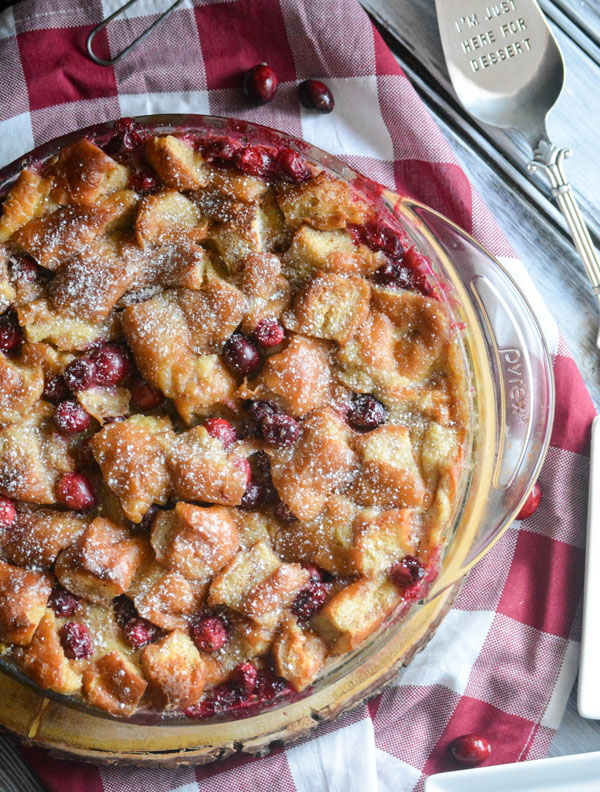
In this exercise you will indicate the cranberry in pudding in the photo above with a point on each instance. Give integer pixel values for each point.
(240, 355)
(210, 633)
(55, 390)
(145, 396)
(71, 418)
(62, 602)
(222, 430)
(269, 332)
(81, 374)
(76, 641)
(140, 632)
(366, 412)
(11, 336)
(75, 491)
(243, 679)
(260, 84)
(407, 572)
(279, 430)
(112, 364)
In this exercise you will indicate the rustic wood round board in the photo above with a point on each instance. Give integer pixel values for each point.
(71, 733)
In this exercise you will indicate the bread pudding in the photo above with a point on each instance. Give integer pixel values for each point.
(233, 421)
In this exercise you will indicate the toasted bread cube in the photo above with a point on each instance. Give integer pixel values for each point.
(102, 563)
(8, 292)
(201, 470)
(182, 263)
(355, 612)
(102, 403)
(299, 655)
(276, 234)
(132, 456)
(254, 636)
(299, 375)
(330, 306)
(54, 238)
(89, 285)
(240, 235)
(21, 385)
(320, 462)
(23, 598)
(168, 215)
(439, 449)
(196, 541)
(174, 670)
(312, 251)
(123, 204)
(38, 535)
(232, 586)
(390, 477)
(326, 540)
(239, 186)
(261, 275)
(26, 200)
(114, 684)
(83, 173)
(32, 457)
(176, 162)
(44, 659)
(40, 322)
(325, 203)
(210, 382)
(276, 592)
(212, 313)
(167, 599)
(381, 539)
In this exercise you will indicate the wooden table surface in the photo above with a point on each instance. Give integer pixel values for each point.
(494, 162)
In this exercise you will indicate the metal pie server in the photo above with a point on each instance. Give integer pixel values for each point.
(507, 70)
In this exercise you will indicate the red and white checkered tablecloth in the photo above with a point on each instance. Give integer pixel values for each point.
(505, 658)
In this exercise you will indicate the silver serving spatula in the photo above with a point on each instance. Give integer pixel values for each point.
(508, 71)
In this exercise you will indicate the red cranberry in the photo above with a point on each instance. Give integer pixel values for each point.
(222, 151)
(311, 599)
(8, 513)
(284, 513)
(269, 332)
(260, 84)
(81, 374)
(55, 390)
(316, 95)
(268, 685)
(147, 522)
(10, 332)
(366, 413)
(124, 610)
(255, 494)
(24, 268)
(62, 602)
(145, 396)
(407, 572)
(245, 466)
(222, 430)
(112, 364)
(240, 355)
(531, 503)
(243, 679)
(130, 137)
(315, 573)
(224, 697)
(71, 418)
(258, 409)
(75, 491)
(470, 749)
(140, 632)
(291, 167)
(392, 273)
(254, 160)
(76, 641)
(210, 633)
(279, 430)
(144, 181)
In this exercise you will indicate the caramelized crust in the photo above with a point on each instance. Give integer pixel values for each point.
(38, 535)
(44, 659)
(83, 173)
(299, 375)
(23, 598)
(167, 599)
(174, 670)
(26, 199)
(299, 655)
(380, 539)
(324, 203)
(114, 684)
(177, 164)
(167, 216)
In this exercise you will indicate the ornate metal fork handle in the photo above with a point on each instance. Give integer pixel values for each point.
(549, 158)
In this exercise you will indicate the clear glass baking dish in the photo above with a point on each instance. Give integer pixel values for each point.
(512, 393)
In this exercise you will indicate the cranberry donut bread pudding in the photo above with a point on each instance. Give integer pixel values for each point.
(233, 413)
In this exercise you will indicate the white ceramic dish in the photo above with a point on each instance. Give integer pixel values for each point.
(580, 773)
(588, 694)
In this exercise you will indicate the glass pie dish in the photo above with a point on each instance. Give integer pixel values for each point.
(511, 392)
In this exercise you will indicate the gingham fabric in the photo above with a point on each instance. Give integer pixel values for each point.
(504, 660)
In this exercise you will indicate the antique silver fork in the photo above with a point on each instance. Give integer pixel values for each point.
(507, 70)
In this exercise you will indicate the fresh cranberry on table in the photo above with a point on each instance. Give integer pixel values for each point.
(140, 632)
(71, 418)
(81, 374)
(407, 572)
(290, 167)
(124, 610)
(62, 602)
(240, 355)
(254, 160)
(243, 679)
(76, 641)
(11, 336)
(222, 430)
(531, 503)
(284, 513)
(279, 430)
(75, 491)
(55, 389)
(470, 749)
(112, 364)
(315, 95)
(255, 494)
(144, 396)
(269, 332)
(260, 84)
(365, 412)
(311, 599)
(8, 513)
(210, 633)
(392, 273)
